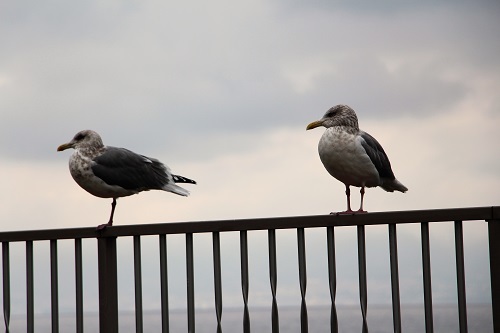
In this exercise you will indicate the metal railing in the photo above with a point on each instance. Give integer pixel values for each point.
(107, 264)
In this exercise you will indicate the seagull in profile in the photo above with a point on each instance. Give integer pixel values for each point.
(111, 172)
(352, 156)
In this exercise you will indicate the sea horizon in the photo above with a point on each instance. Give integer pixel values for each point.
(379, 318)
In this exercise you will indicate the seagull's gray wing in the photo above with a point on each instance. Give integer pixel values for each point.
(131, 171)
(377, 155)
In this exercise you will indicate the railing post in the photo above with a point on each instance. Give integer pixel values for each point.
(54, 286)
(273, 277)
(426, 275)
(165, 321)
(393, 258)
(332, 278)
(139, 325)
(6, 284)
(190, 283)
(494, 242)
(363, 289)
(461, 292)
(217, 279)
(301, 243)
(244, 279)
(78, 284)
(108, 286)
(30, 282)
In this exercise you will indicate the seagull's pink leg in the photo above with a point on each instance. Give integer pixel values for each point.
(348, 195)
(362, 191)
(110, 222)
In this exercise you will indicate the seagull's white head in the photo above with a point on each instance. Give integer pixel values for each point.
(83, 139)
(339, 115)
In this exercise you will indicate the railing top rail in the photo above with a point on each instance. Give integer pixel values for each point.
(376, 218)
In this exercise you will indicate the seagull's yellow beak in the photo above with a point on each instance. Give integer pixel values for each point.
(314, 124)
(65, 146)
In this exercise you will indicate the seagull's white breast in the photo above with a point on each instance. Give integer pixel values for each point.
(345, 158)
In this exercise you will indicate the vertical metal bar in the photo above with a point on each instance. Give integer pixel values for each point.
(164, 284)
(396, 302)
(30, 304)
(6, 284)
(138, 284)
(190, 282)
(459, 255)
(332, 278)
(244, 279)
(54, 286)
(426, 265)
(363, 290)
(217, 279)
(79, 285)
(273, 276)
(494, 246)
(301, 244)
(108, 286)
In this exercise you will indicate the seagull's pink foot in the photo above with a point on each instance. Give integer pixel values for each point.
(347, 212)
(360, 211)
(104, 226)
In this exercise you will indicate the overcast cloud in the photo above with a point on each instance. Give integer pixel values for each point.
(159, 70)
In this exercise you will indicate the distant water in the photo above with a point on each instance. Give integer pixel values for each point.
(379, 320)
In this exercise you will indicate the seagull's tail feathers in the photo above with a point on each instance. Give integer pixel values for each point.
(171, 187)
(391, 185)
(176, 189)
(180, 179)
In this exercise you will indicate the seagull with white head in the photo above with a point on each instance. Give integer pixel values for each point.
(111, 172)
(353, 156)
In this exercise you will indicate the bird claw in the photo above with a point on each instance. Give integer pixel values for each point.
(103, 226)
(349, 212)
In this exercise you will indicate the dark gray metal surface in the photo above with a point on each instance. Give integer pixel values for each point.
(54, 286)
(139, 325)
(426, 266)
(190, 283)
(294, 222)
(244, 280)
(30, 300)
(363, 289)
(79, 285)
(273, 277)
(396, 303)
(459, 256)
(106, 240)
(332, 278)
(301, 245)
(165, 322)
(108, 285)
(6, 284)
(494, 245)
(217, 280)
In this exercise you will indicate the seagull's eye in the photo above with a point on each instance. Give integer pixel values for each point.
(79, 136)
(330, 113)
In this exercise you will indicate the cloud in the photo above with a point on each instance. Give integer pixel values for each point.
(143, 74)
(381, 8)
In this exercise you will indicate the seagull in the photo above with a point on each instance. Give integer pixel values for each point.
(111, 172)
(352, 156)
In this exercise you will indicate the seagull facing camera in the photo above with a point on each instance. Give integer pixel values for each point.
(353, 156)
(110, 172)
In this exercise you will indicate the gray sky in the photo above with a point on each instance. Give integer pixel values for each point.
(222, 93)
